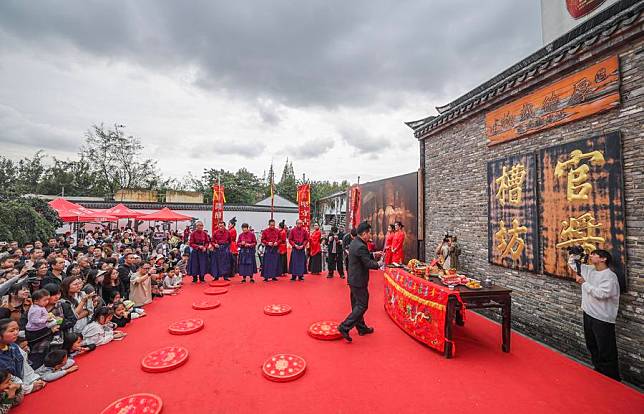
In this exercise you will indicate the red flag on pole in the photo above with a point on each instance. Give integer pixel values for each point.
(353, 210)
(218, 200)
(304, 204)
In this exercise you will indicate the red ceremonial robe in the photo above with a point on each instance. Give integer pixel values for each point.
(388, 242)
(397, 247)
(314, 242)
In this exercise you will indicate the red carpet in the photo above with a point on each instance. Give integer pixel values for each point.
(387, 372)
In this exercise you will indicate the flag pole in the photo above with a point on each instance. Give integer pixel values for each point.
(272, 196)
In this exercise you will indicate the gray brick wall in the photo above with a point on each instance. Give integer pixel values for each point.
(544, 307)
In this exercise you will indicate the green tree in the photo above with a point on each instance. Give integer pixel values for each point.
(8, 176)
(287, 187)
(116, 160)
(20, 221)
(241, 187)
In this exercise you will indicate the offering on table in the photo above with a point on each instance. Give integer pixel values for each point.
(473, 284)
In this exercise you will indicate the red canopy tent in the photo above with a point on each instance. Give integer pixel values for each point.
(165, 214)
(74, 213)
(122, 211)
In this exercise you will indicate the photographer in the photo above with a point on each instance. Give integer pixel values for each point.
(600, 303)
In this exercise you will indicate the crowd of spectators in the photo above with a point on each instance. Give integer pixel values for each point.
(66, 296)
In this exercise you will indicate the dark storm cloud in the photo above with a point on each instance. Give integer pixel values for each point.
(314, 53)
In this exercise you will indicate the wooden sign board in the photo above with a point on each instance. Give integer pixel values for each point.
(590, 91)
(513, 230)
(581, 202)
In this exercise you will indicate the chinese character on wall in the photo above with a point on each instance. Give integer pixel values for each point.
(581, 199)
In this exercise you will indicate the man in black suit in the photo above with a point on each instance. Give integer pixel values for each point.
(360, 261)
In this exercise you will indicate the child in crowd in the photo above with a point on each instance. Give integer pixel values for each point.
(11, 391)
(31, 382)
(173, 279)
(156, 283)
(57, 365)
(183, 263)
(100, 331)
(121, 316)
(133, 310)
(39, 321)
(73, 344)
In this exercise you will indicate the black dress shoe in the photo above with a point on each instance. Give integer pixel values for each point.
(252, 280)
(344, 333)
(227, 279)
(274, 279)
(301, 278)
(366, 331)
(342, 277)
(293, 278)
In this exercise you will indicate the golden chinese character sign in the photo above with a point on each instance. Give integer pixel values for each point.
(589, 91)
(512, 213)
(581, 201)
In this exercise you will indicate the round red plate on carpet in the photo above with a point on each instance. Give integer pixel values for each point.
(284, 367)
(215, 291)
(219, 283)
(277, 309)
(325, 330)
(165, 359)
(186, 326)
(135, 404)
(205, 305)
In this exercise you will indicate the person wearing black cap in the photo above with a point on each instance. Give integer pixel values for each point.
(360, 261)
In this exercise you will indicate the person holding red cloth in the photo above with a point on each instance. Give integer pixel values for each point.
(220, 259)
(315, 251)
(233, 244)
(298, 238)
(246, 243)
(271, 264)
(398, 244)
(389, 238)
(282, 249)
(198, 261)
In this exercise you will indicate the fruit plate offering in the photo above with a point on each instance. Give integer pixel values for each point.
(473, 284)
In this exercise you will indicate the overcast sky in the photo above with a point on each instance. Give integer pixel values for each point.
(229, 84)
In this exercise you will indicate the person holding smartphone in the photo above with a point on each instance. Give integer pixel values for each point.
(600, 303)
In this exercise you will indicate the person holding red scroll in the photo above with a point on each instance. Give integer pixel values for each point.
(398, 244)
(271, 262)
(315, 251)
(298, 238)
(220, 259)
(198, 261)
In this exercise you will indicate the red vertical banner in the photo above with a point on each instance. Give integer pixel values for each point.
(354, 202)
(218, 200)
(304, 204)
